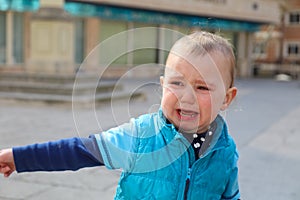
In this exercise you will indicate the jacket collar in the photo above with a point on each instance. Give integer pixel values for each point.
(220, 133)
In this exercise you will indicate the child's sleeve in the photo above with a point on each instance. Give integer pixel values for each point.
(66, 154)
(232, 187)
(118, 146)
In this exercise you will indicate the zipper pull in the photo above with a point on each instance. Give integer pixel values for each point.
(188, 174)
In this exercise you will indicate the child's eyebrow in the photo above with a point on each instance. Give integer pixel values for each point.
(175, 76)
(200, 81)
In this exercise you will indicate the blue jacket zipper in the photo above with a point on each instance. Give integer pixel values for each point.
(187, 183)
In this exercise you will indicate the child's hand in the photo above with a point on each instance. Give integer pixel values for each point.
(7, 164)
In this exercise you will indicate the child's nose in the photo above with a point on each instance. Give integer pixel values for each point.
(188, 96)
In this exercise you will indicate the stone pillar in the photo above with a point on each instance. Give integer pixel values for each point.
(91, 34)
(91, 40)
(243, 55)
(9, 38)
(250, 39)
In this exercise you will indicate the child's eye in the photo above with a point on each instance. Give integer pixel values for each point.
(178, 83)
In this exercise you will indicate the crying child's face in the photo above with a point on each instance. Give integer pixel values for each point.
(195, 89)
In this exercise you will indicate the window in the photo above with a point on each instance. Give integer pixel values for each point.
(294, 18)
(293, 49)
(17, 38)
(79, 41)
(259, 49)
(149, 39)
(117, 44)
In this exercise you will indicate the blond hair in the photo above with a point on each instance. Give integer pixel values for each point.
(202, 42)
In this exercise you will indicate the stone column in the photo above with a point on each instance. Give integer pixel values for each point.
(91, 34)
(244, 54)
(91, 40)
(9, 38)
(250, 39)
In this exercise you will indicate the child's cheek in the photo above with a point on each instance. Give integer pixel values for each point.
(205, 103)
(168, 98)
(216, 103)
(171, 94)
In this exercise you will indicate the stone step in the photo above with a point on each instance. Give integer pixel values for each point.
(58, 88)
(47, 78)
(50, 98)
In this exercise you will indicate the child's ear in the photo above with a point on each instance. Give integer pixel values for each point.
(161, 79)
(230, 95)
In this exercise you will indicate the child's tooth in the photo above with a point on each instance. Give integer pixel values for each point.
(187, 114)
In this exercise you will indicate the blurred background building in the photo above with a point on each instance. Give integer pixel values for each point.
(54, 36)
(277, 46)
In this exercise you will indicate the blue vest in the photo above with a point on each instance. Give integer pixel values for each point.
(157, 161)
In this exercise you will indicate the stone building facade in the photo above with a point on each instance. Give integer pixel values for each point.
(276, 47)
(55, 36)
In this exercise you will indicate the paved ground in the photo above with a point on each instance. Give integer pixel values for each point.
(264, 120)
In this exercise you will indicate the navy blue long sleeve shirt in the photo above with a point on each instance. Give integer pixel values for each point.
(66, 154)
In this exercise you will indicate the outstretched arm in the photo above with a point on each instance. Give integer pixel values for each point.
(67, 154)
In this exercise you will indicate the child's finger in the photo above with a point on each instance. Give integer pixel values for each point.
(8, 173)
(4, 169)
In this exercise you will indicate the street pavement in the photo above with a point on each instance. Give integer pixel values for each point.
(264, 121)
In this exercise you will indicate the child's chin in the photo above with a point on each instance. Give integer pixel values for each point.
(187, 130)
(187, 127)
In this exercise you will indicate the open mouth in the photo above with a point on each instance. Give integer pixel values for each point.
(187, 114)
